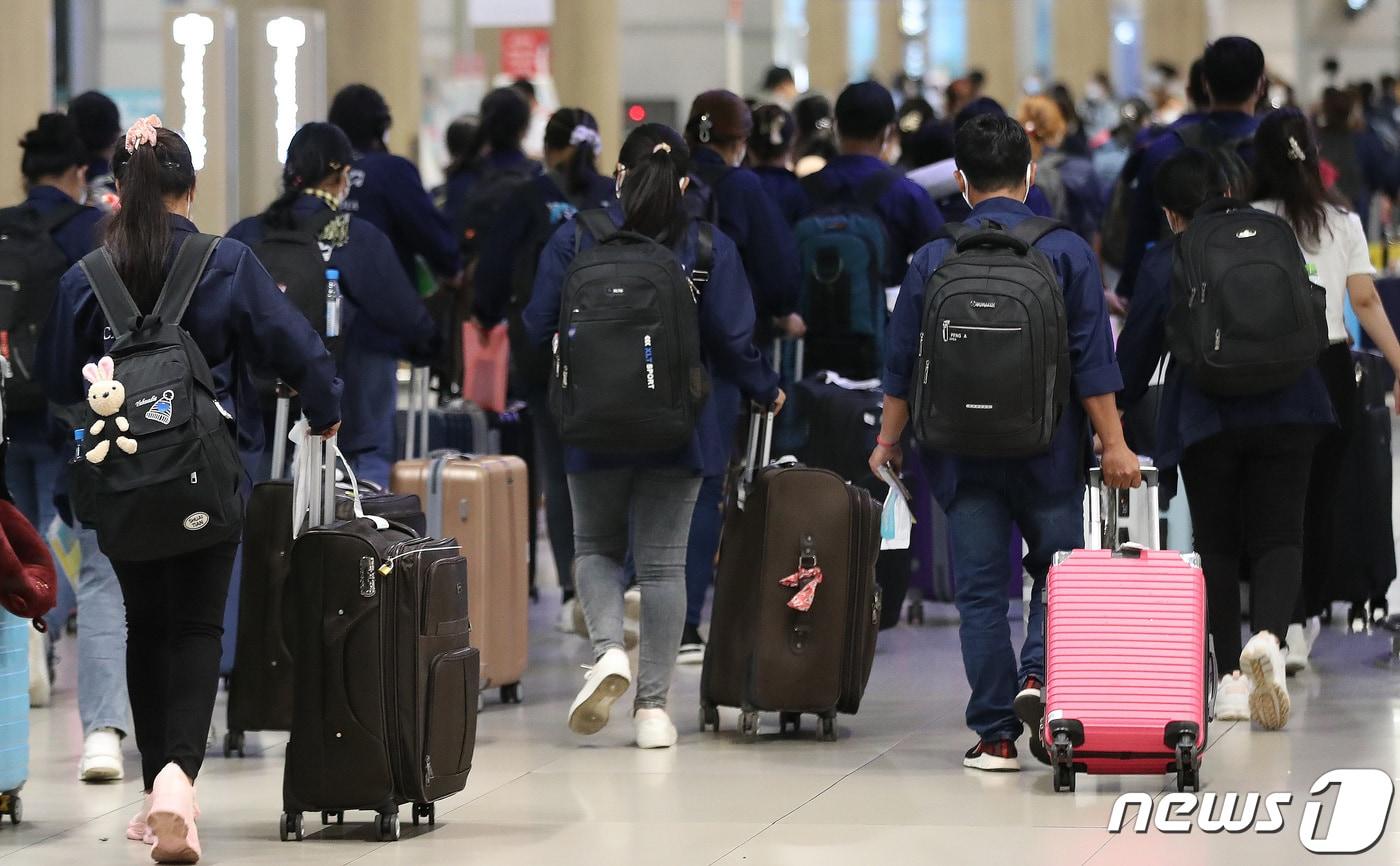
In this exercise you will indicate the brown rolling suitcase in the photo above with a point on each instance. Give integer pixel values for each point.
(484, 503)
(796, 607)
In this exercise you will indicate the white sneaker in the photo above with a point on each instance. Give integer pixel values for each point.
(1296, 654)
(1262, 661)
(654, 728)
(40, 689)
(632, 617)
(102, 757)
(1232, 699)
(607, 680)
(570, 615)
(1313, 629)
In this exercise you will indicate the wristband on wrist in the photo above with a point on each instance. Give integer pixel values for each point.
(883, 444)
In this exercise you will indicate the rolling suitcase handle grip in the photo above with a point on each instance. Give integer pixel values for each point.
(760, 450)
(415, 430)
(1108, 505)
(280, 428)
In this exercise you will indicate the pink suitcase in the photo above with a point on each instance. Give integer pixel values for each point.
(1128, 669)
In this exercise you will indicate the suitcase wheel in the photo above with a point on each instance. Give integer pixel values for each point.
(291, 827)
(327, 816)
(709, 717)
(1062, 763)
(789, 720)
(234, 741)
(12, 805)
(512, 694)
(748, 724)
(1064, 777)
(827, 734)
(424, 810)
(1188, 765)
(388, 827)
(915, 614)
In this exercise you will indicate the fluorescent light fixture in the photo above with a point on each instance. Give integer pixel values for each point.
(194, 33)
(286, 35)
(1125, 32)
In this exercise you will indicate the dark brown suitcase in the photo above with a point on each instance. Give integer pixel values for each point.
(765, 654)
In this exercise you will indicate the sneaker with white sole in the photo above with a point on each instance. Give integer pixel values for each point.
(994, 757)
(40, 685)
(692, 651)
(1262, 661)
(654, 728)
(570, 616)
(1232, 698)
(102, 757)
(607, 680)
(1296, 654)
(1030, 709)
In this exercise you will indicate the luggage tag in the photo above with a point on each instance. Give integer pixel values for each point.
(808, 577)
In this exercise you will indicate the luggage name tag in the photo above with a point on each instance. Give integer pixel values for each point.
(807, 577)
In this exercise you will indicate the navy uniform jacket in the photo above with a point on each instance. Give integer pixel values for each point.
(955, 209)
(382, 303)
(387, 192)
(237, 317)
(1186, 415)
(784, 188)
(455, 191)
(909, 215)
(726, 340)
(764, 238)
(1093, 368)
(1146, 223)
(520, 222)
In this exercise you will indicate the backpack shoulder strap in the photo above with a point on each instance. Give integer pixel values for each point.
(184, 276)
(597, 223)
(957, 231)
(1035, 228)
(111, 293)
(704, 256)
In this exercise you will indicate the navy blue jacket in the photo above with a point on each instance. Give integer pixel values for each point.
(455, 191)
(1146, 223)
(540, 208)
(387, 192)
(237, 317)
(1186, 415)
(764, 237)
(726, 339)
(909, 215)
(785, 190)
(1093, 369)
(381, 301)
(955, 209)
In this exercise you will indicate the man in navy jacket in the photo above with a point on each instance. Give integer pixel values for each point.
(1042, 495)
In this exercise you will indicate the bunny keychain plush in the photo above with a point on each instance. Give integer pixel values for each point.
(106, 397)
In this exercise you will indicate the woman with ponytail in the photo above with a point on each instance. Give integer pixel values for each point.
(496, 154)
(771, 147)
(656, 490)
(238, 319)
(383, 318)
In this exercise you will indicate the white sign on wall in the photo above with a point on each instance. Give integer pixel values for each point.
(510, 13)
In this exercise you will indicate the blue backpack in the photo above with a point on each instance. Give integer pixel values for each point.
(844, 251)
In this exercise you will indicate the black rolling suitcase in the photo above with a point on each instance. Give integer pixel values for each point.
(385, 682)
(796, 607)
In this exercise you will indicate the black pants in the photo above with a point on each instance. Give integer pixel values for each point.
(1325, 484)
(174, 630)
(1247, 489)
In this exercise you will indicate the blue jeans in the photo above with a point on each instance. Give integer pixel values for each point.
(102, 701)
(32, 468)
(980, 520)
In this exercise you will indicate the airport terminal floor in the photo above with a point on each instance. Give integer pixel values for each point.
(890, 790)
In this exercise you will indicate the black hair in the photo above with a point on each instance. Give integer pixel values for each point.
(1196, 84)
(363, 114)
(316, 153)
(1297, 183)
(1337, 108)
(656, 158)
(816, 129)
(97, 119)
(525, 87)
(505, 117)
(982, 105)
(1059, 92)
(51, 148)
(582, 167)
(458, 139)
(773, 133)
(932, 143)
(776, 77)
(992, 151)
(1234, 66)
(1189, 179)
(864, 111)
(138, 234)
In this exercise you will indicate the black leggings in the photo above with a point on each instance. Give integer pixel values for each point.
(1247, 490)
(174, 633)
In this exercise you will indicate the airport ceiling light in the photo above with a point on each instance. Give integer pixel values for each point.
(286, 35)
(194, 33)
(1125, 32)
(913, 19)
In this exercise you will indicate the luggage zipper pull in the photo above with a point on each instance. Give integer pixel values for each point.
(926, 368)
(428, 769)
(1217, 339)
(367, 579)
(947, 325)
(194, 477)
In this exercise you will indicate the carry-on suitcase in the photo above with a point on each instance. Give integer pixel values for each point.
(14, 713)
(385, 680)
(796, 606)
(1129, 675)
(484, 503)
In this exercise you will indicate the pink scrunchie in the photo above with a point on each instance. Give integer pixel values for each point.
(142, 132)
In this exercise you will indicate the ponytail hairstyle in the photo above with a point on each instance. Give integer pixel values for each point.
(51, 148)
(774, 131)
(505, 117)
(575, 128)
(1287, 168)
(317, 153)
(458, 140)
(656, 159)
(154, 165)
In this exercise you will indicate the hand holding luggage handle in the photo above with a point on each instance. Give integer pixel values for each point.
(314, 486)
(1108, 506)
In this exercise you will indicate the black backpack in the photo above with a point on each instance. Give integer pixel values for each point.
(628, 371)
(483, 204)
(1245, 316)
(993, 372)
(297, 262)
(31, 266)
(179, 491)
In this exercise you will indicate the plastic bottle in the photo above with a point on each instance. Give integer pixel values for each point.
(332, 303)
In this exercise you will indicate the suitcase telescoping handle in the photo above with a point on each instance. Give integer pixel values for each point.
(1109, 508)
(760, 450)
(799, 351)
(314, 488)
(282, 424)
(415, 431)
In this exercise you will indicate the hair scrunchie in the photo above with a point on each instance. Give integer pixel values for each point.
(584, 136)
(143, 131)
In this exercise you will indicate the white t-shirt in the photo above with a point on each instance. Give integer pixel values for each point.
(1342, 252)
